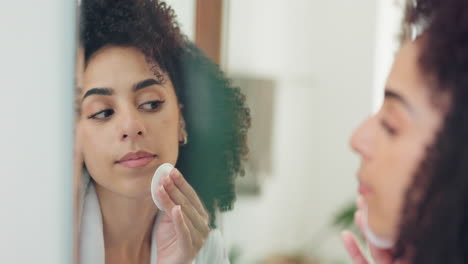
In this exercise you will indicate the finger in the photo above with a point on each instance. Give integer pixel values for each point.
(198, 238)
(182, 230)
(358, 222)
(381, 256)
(188, 191)
(360, 202)
(164, 199)
(353, 248)
(179, 198)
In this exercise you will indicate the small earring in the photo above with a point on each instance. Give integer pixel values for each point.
(183, 132)
(184, 142)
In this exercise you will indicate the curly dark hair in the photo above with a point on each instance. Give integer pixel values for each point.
(216, 115)
(434, 226)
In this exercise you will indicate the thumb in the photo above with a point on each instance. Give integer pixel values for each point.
(352, 246)
(381, 256)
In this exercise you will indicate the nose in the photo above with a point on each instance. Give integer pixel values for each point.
(362, 140)
(132, 126)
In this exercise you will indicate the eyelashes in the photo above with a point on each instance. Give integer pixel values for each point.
(388, 128)
(151, 106)
(102, 115)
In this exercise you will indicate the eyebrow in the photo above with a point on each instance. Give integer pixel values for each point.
(390, 94)
(145, 83)
(98, 91)
(109, 91)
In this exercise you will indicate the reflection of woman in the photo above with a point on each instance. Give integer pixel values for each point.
(150, 97)
(414, 175)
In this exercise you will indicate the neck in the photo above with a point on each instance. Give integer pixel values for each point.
(127, 222)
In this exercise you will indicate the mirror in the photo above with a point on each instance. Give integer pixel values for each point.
(254, 103)
(149, 98)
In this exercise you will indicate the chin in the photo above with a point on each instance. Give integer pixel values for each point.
(136, 192)
(381, 226)
(135, 187)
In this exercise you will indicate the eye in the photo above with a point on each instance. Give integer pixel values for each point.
(388, 128)
(102, 115)
(151, 106)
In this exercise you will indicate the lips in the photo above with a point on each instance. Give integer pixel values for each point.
(364, 189)
(137, 159)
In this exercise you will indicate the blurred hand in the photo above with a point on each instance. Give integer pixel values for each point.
(379, 256)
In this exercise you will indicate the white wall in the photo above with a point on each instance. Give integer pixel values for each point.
(390, 14)
(322, 57)
(185, 11)
(36, 69)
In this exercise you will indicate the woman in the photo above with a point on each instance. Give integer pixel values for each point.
(414, 151)
(148, 97)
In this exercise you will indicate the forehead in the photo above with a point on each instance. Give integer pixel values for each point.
(410, 82)
(406, 77)
(406, 73)
(116, 62)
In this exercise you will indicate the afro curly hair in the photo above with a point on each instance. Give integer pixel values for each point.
(216, 115)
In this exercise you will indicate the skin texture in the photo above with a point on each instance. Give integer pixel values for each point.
(115, 132)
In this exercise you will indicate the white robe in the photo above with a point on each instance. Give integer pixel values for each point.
(91, 242)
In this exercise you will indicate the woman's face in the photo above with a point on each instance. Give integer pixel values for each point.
(129, 121)
(393, 142)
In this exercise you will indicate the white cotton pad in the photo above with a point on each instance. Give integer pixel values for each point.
(162, 170)
(373, 238)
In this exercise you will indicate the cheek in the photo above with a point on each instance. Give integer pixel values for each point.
(391, 198)
(163, 132)
(397, 172)
(95, 143)
(384, 206)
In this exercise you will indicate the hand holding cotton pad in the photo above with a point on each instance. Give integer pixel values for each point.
(162, 170)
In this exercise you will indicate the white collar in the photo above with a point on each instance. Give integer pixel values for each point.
(90, 230)
(91, 243)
